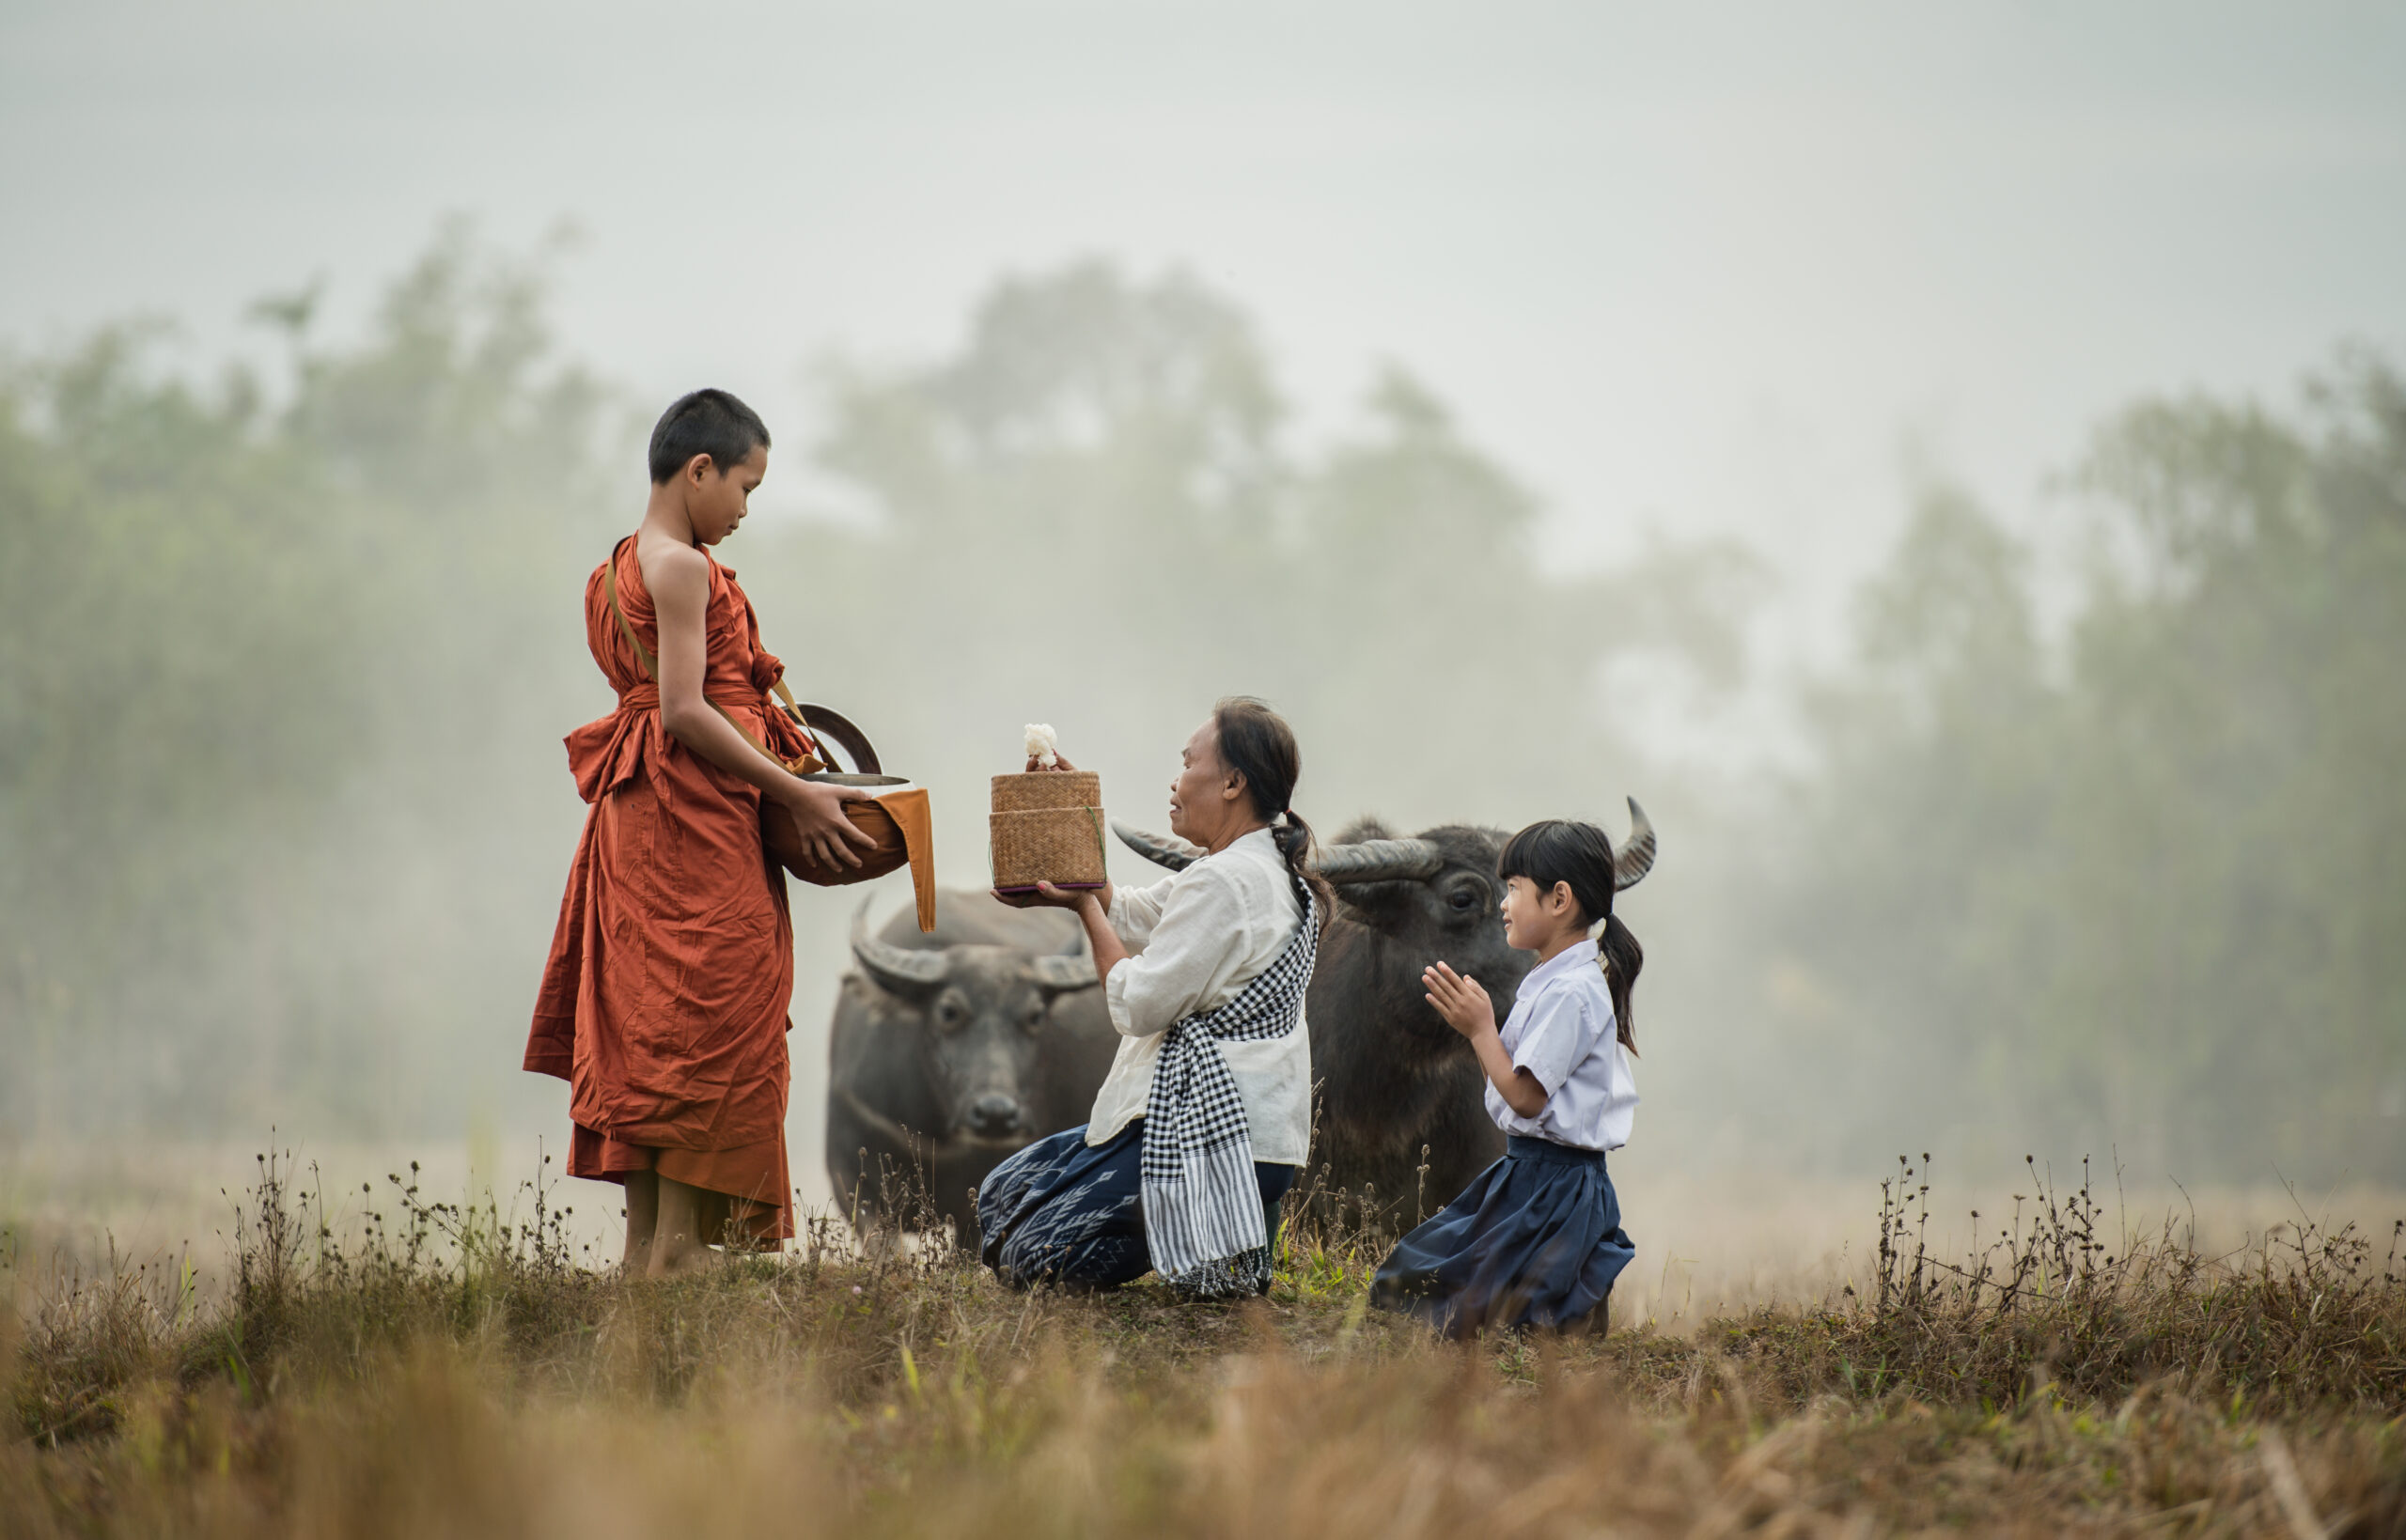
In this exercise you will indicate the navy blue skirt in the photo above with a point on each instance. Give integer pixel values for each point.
(1063, 1212)
(1535, 1241)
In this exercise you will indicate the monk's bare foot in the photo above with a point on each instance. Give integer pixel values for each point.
(643, 1218)
(677, 1244)
(674, 1260)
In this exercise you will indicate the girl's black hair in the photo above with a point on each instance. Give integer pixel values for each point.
(1564, 850)
(1256, 743)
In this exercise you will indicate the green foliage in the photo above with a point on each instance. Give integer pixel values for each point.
(283, 818)
(284, 812)
(159, 619)
(2146, 891)
(261, 781)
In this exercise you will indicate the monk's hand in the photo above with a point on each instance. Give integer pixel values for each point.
(818, 810)
(1462, 1002)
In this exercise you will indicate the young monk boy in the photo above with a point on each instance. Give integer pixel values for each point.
(664, 1003)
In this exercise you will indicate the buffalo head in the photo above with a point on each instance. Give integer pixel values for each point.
(980, 1016)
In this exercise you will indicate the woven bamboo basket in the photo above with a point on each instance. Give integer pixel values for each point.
(1047, 826)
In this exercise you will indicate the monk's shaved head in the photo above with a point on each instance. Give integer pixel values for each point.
(707, 422)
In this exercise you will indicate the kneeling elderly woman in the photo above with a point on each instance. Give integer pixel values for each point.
(1205, 1118)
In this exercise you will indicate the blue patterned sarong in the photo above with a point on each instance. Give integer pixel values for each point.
(1063, 1213)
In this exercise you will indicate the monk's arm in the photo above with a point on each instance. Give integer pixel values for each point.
(680, 579)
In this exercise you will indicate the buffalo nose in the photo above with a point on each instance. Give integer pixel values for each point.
(994, 1114)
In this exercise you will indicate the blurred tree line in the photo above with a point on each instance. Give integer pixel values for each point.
(2143, 887)
(283, 816)
(268, 790)
(283, 811)
(1089, 514)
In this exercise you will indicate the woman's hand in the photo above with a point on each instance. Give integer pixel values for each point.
(1093, 907)
(818, 810)
(1037, 767)
(1461, 1001)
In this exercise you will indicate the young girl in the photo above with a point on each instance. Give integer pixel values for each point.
(1536, 1240)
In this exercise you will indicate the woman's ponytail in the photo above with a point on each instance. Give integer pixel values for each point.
(1293, 837)
(1256, 743)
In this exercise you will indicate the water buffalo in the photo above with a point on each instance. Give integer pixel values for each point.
(1393, 1077)
(951, 1049)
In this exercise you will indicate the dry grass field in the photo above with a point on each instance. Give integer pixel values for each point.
(409, 1368)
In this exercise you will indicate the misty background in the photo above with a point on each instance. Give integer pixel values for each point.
(1951, 467)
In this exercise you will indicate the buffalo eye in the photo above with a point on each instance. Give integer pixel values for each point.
(1462, 899)
(952, 1013)
(1033, 1017)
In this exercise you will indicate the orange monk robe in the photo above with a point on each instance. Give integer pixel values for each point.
(664, 1002)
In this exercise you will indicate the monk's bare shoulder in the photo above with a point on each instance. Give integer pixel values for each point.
(673, 570)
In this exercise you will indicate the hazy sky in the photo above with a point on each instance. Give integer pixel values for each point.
(1697, 266)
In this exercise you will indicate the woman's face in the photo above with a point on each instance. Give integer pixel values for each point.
(1207, 801)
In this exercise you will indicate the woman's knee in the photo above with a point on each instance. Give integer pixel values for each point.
(1008, 1182)
(1102, 1263)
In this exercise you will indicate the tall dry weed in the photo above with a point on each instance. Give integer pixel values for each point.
(2301, 1318)
(441, 1369)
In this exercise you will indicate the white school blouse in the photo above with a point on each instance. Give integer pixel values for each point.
(1207, 933)
(1562, 1031)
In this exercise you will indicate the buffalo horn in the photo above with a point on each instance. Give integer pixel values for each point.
(1634, 860)
(1175, 855)
(1366, 861)
(899, 969)
(1379, 861)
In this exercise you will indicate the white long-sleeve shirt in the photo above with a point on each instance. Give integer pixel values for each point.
(1207, 933)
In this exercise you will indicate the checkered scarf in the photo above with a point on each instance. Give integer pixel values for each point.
(1203, 1219)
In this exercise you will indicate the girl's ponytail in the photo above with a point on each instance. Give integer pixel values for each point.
(1623, 957)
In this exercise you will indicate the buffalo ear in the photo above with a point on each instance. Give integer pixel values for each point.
(1377, 902)
(1063, 973)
